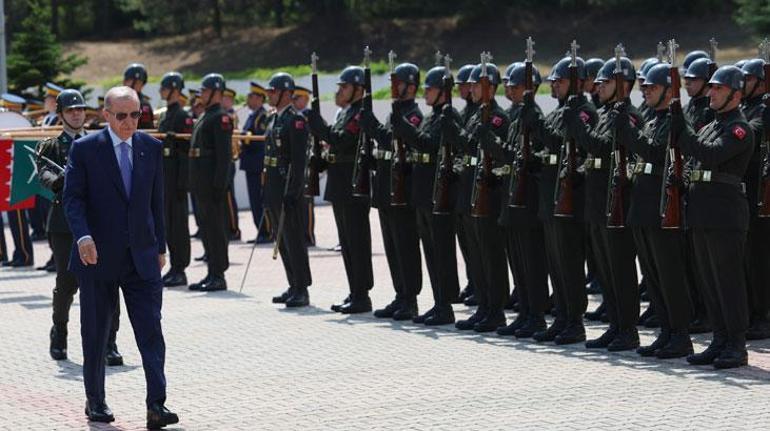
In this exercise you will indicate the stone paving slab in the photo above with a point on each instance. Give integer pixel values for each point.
(237, 362)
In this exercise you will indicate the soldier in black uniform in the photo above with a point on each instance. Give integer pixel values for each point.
(176, 177)
(757, 245)
(252, 160)
(524, 231)
(232, 225)
(135, 76)
(351, 213)
(480, 140)
(661, 251)
(590, 86)
(210, 163)
(399, 221)
(564, 236)
(70, 107)
(300, 101)
(718, 215)
(644, 109)
(613, 247)
(285, 160)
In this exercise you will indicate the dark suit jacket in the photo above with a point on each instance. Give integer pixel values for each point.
(96, 204)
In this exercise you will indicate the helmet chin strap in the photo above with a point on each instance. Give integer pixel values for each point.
(661, 98)
(68, 127)
(727, 101)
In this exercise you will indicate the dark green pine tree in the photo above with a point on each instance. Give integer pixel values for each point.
(35, 55)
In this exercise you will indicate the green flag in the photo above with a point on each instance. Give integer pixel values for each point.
(24, 182)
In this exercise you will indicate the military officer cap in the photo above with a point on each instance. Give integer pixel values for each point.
(740, 63)
(645, 66)
(33, 104)
(660, 74)
(464, 73)
(698, 69)
(136, 72)
(255, 88)
(352, 75)
(52, 90)
(281, 81)
(507, 73)
(435, 77)
(301, 92)
(213, 81)
(12, 101)
(69, 99)
(492, 72)
(692, 56)
(729, 76)
(229, 92)
(754, 67)
(172, 81)
(517, 76)
(593, 65)
(560, 70)
(607, 71)
(408, 73)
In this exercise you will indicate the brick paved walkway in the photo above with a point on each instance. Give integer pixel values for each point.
(237, 362)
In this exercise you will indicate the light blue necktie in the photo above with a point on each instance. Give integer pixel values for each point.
(125, 166)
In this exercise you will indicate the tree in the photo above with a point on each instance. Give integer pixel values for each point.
(35, 55)
(754, 14)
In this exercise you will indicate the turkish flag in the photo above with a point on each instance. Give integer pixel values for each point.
(6, 164)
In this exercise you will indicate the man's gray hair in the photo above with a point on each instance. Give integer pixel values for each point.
(119, 93)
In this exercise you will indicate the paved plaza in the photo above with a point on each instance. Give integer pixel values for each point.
(237, 362)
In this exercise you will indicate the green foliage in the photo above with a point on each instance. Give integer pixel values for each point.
(35, 55)
(754, 14)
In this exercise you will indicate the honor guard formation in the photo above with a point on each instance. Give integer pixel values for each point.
(597, 183)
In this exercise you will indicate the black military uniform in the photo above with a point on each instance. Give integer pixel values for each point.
(718, 217)
(176, 177)
(59, 234)
(646, 112)
(285, 161)
(613, 248)
(134, 73)
(351, 213)
(210, 162)
(564, 236)
(399, 222)
(757, 246)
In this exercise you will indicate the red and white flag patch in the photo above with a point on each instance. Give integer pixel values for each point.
(497, 121)
(584, 117)
(739, 132)
(415, 120)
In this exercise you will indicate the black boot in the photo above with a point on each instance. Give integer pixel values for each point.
(575, 332)
(627, 339)
(471, 301)
(520, 320)
(596, 315)
(215, 283)
(734, 354)
(534, 324)
(406, 311)
(283, 297)
(759, 329)
(388, 310)
(299, 298)
(550, 334)
(707, 357)
(58, 348)
(337, 308)
(424, 316)
(678, 346)
(197, 286)
(158, 416)
(491, 322)
(700, 325)
(175, 278)
(513, 301)
(469, 323)
(357, 306)
(442, 315)
(466, 292)
(114, 358)
(604, 340)
(652, 350)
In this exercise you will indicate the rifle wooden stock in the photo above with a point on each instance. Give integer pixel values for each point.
(362, 179)
(763, 198)
(481, 186)
(312, 186)
(441, 202)
(564, 205)
(671, 208)
(517, 192)
(398, 165)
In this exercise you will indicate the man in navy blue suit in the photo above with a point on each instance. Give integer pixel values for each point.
(113, 200)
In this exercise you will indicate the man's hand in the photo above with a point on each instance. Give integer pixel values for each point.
(161, 261)
(87, 252)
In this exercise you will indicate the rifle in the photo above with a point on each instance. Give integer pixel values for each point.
(763, 192)
(616, 211)
(398, 166)
(281, 218)
(312, 187)
(483, 174)
(517, 191)
(564, 204)
(441, 202)
(362, 179)
(671, 199)
(712, 56)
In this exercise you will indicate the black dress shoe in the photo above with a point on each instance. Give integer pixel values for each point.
(700, 325)
(466, 292)
(424, 316)
(471, 301)
(214, 283)
(469, 323)
(264, 240)
(604, 340)
(575, 332)
(48, 265)
(513, 301)
(731, 357)
(38, 236)
(114, 358)
(159, 416)
(491, 322)
(594, 288)
(442, 315)
(551, 332)
(357, 306)
(337, 308)
(5, 262)
(535, 323)
(387, 311)
(652, 350)
(627, 339)
(406, 311)
(235, 236)
(197, 286)
(679, 345)
(203, 258)
(99, 411)
(300, 298)
(707, 356)
(759, 329)
(283, 297)
(58, 348)
(596, 315)
(175, 279)
(517, 323)
(652, 322)
(20, 263)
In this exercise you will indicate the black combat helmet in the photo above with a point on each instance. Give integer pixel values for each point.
(593, 66)
(213, 81)
(408, 73)
(560, 70)
(692, 56)
(464, 73)
(435, 77)
(135, 72)
(729, 76)
(172, 81)
(754, 67)
(352, 75)
(69, 99)
(492, 73)
(698, 69)
(281, 81)
(660, 74)
(607, 71)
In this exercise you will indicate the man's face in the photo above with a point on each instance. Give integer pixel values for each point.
(560, 88)
(300, 102)
(74, 117)
(476, 92)
(516, 93)
(718, 95)
(589, 86)
(227, 102)
(343, 95)
(464, 89)
(751, 84)
(273, 96)
(652, 94)
(50, 103)
(606, 90)
(431, 95)
(693, 86)
(134, 83)
(120, 117)
(254, 101)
